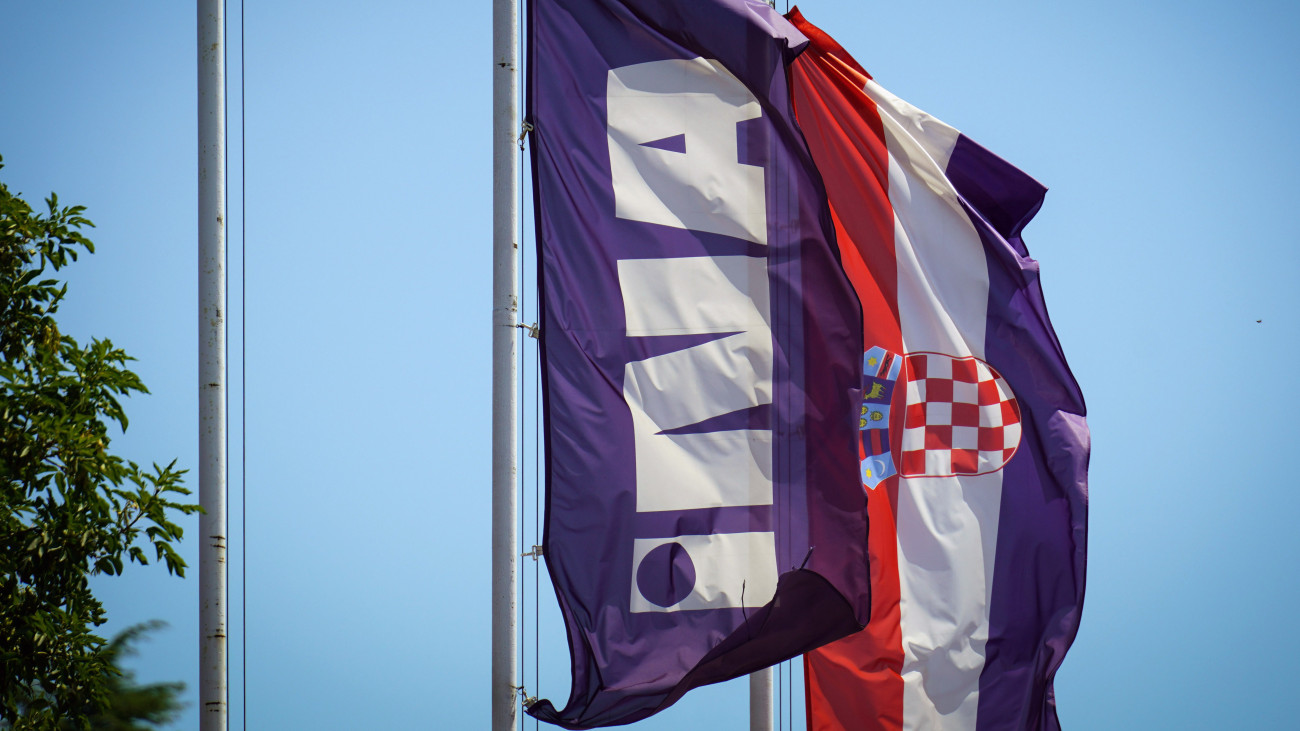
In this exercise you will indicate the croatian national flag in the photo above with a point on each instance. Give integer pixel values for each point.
(702, 350)
(978, 521)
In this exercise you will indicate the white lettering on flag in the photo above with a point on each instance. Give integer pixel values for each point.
(675, 161)
(700, 296)
(689, 296)
(702, 187)
(730, 570)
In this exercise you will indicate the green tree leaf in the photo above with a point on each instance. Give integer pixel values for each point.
(69, 507)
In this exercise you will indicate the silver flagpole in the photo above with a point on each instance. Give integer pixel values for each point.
(505, 215)
(760, 700)
(761, 706)
(213, 694)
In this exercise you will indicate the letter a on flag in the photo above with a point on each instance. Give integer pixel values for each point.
(702, 349)
(974, 448)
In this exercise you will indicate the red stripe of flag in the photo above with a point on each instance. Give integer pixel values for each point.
(856, 683)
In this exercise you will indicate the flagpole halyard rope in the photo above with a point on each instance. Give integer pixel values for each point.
(531, 331)
(243, 387)
(521, 407)
(537, 522)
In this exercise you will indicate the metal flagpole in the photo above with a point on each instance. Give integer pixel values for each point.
(213, 695)
(505, 212)
(760, 700)
(761, 705)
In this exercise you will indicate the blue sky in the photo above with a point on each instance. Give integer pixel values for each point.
(1161, 128)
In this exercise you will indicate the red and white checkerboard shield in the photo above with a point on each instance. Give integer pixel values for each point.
(961, 418)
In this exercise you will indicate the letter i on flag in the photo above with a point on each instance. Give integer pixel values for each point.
(974, 452)
(702, 351)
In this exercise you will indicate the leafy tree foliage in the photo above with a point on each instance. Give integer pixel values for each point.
(133, 707)
(129, 706)
(69, 509)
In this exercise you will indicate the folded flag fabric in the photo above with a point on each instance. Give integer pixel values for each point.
(702, 351)
(976, 471)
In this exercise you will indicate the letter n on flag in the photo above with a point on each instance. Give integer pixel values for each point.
(974, 450)
(702, 352)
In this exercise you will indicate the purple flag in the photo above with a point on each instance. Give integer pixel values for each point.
(702, 354)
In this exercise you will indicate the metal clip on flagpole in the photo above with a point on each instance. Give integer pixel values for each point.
(505, 212)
